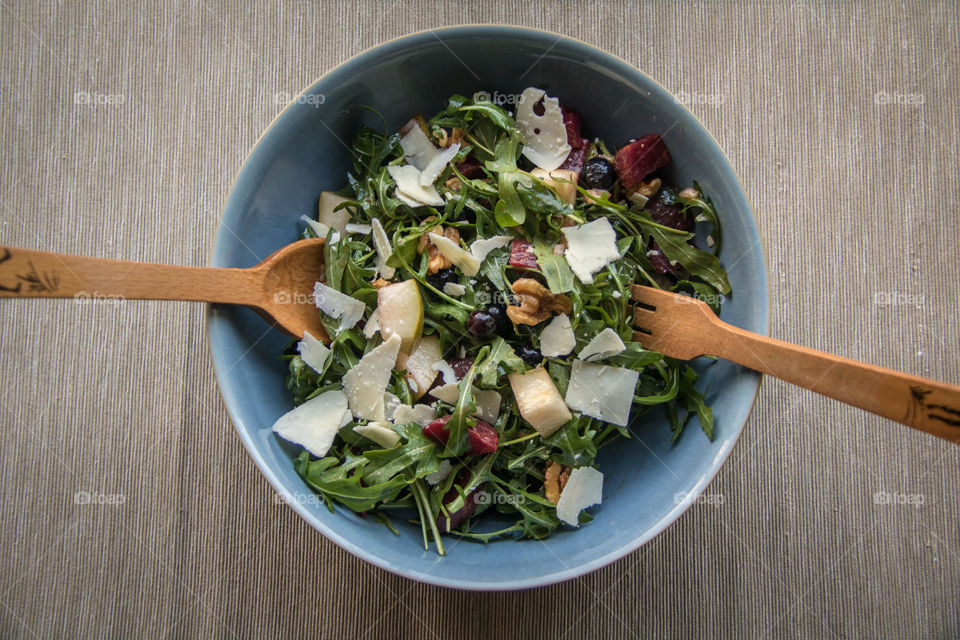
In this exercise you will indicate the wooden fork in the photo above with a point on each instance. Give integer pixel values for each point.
(682, 327)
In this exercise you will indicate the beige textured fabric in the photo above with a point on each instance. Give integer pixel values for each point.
(842, 122)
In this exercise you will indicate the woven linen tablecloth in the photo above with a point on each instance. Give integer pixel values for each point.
(123, 126)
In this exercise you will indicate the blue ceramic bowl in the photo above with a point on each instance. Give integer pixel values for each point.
(303, 153)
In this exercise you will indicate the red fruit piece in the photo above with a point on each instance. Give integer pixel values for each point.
(639, 159)
(470, 168)
(579, 146)
(461, 515)
(435, 430)
(461, 366)
(669, 215)
(483, 438)
(578, 155)
(522, 255)
(572, 121)
(658, 259)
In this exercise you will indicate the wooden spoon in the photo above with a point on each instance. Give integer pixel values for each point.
(280, 288)
(682, 327)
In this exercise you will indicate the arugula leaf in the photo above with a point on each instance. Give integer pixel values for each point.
(575, 441)
(457, 443)
(501, 361)
(554, 268)
(509, 209)
(693, 401)
(334, 481)
(494, 114)
(699, 263)
(414, 459)
(634, 356)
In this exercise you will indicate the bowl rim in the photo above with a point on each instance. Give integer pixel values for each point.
(343, 542)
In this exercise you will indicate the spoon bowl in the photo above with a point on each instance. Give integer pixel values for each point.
(280, 288)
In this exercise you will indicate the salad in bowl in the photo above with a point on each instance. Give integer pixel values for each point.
(476, 298)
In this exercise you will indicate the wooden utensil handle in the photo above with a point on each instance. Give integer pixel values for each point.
(923, 404)
(25, 273)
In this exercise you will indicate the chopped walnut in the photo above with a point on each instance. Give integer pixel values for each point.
(443, 139)
(555, 478)
(453, 184)
(379, 283)
(649, 187)
(593, 195)
(688, 194)
(456, 137)
(437, 261)
(536, 303)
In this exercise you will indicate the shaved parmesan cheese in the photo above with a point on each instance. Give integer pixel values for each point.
(326, 214)
(407, 178)
(313, 352)
(487, 400)
(440, 474)
(362, 229)
(390, 405)
(605, 344)
(454, 289)
(601, 391)
(384, 249)
(314, 424)
(417, 148)
(482, 247)
(590, 247)
(338, 305)
(367, 380)
(379, 432)
(557, 337)
(468, 264)
(373, 324)
(584, 489)
(544, 137)
(437, 164)
(410, 202)
(449, 376)
(321, 229)
(420, 414)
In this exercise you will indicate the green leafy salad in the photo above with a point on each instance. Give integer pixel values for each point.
(476, 297)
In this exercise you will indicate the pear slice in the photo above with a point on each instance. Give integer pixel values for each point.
(539, 401)
(400, 310)
(420, 365)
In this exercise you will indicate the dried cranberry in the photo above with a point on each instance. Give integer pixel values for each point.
(522, 255)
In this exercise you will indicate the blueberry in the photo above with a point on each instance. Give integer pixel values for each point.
(598, 173)
(488, 322)
(529, 354)
(442, 277)
(481, 324)
(499, 313)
